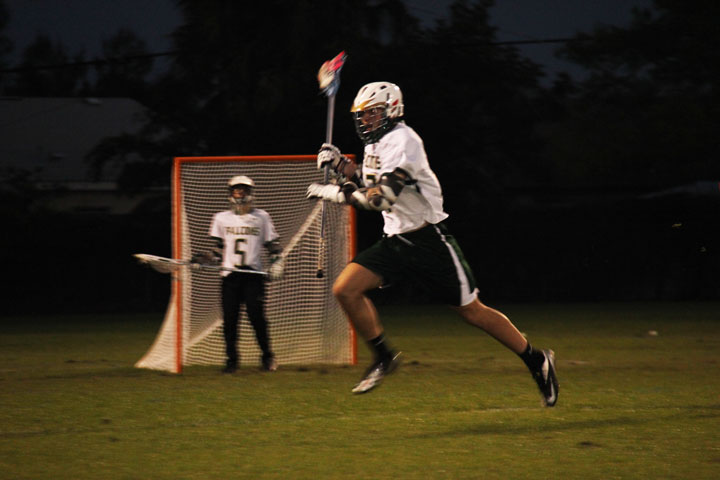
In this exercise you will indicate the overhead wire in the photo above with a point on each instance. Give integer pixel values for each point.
(119, 60)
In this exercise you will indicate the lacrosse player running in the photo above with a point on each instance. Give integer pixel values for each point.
(396, 179)
(239, 233)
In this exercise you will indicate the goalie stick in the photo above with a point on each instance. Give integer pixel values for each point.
(329, 81)
(169, 265)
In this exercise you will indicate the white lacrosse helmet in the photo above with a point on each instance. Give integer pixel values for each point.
(377, 107)
(242, 204)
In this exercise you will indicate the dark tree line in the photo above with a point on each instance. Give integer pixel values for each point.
(507, 149)
(241, 81)
(647, 115)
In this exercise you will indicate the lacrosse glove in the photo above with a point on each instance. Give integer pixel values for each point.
(277, 267)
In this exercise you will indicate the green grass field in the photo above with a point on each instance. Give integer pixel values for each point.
(632, 406)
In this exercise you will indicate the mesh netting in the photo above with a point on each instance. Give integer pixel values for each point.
(305, 323)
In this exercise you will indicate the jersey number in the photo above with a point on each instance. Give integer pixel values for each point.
(239, 251)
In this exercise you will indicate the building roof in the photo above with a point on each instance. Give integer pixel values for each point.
(52, 136)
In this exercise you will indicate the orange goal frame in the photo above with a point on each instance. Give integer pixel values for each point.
(177, 246)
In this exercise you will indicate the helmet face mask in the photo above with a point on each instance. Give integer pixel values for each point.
(370, 123)
(377, 108)
(240, 194)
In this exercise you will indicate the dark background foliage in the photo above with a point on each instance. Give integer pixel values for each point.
(603, 188)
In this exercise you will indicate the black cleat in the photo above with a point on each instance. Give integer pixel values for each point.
(230, 368)
(547, 380)
(375, 374)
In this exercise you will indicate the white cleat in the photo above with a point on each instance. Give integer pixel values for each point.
(376, 373)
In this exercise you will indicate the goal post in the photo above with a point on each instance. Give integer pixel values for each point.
(305, 323)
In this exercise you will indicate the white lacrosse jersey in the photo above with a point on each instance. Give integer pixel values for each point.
(243, 237)
(420, 201)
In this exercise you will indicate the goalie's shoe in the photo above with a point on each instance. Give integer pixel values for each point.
(375, 374)
(546, 379)
(230, 368)
(269, 364)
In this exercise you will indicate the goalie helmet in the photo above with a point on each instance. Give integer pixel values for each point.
(377, 107)
(240, 202)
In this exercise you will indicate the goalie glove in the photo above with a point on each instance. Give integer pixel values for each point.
(277, 268)
(206, 258)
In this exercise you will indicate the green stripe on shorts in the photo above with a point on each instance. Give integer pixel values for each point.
(429, 258)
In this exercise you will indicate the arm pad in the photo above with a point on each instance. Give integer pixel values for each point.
(381, 197)
(391, 184)
(217, 251)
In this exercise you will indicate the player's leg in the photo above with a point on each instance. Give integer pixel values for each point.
(495, 323)
(453, 278)
(231, 300)
(349, 289)
(255, 307)
(541, 363)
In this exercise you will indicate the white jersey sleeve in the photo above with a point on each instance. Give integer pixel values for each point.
(243, 237)
(421, 200)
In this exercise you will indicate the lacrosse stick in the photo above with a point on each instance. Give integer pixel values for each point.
(170, 265)
(329, 80)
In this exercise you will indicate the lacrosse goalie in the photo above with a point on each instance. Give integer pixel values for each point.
(239, 234)
(396, 179)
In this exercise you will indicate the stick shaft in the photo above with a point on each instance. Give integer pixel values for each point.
(326, 173)
(172, 262)
(330, 119)
(329, 78)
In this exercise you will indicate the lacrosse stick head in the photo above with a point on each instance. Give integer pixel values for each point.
(329, 74)
(160, 264)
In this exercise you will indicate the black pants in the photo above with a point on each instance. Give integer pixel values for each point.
(249, 289)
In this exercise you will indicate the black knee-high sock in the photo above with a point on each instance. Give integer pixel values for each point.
(532, 358)
(379, 347)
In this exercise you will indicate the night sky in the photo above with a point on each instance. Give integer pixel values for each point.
(81, 25)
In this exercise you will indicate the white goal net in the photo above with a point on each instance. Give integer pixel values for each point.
(305, 323)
